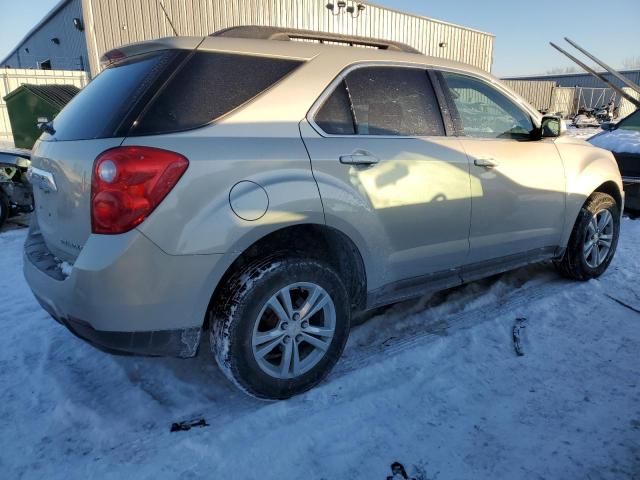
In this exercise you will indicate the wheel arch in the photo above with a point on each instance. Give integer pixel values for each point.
(318, 241)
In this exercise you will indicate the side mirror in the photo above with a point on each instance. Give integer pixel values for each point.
(552, 126)
(608, 126)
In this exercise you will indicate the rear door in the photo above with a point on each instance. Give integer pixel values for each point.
(518, 182)
(386, 168)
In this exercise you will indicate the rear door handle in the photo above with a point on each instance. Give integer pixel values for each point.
(485, 162)
(359, 158)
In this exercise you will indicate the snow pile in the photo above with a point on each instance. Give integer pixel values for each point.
(433, 384)
(620, 140)
(583, 133)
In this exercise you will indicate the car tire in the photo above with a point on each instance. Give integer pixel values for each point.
(4, 208)
(593, 240)
(272, 349)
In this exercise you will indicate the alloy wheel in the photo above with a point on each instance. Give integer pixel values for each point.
(598, 238)
(294, 330)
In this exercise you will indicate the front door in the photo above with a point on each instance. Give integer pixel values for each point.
(518, 182)
(385, 169)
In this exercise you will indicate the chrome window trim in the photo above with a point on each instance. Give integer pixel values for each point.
(492, 83)
(341, 77)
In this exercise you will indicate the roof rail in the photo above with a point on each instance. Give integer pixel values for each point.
(293, 34)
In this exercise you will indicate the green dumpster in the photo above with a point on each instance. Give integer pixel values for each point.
(27, 103)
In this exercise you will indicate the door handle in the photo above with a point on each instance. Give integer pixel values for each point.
(359, 158)
(485, 162)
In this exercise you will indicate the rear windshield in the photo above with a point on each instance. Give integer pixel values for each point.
(143, 95)
(209, 86)
(99, 109)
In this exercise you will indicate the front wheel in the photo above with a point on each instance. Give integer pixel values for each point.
(593, 240)
(281, 326)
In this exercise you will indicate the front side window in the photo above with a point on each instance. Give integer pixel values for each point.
(484, 112)
(382, 101)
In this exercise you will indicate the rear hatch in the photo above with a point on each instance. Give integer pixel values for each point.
(97, 119)
(170, 89)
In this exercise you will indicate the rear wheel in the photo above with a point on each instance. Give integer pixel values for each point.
(4, 208)
(593, 240)
(282, 326)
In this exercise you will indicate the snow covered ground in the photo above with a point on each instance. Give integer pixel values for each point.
(433, 384)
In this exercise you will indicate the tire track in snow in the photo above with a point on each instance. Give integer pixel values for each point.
(359, 357)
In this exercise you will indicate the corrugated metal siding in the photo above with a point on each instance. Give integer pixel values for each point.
(12, 78)
(563, 101)
(70, 54)
(625, 106)
(536, 93)
(584, 79)
(116, 22)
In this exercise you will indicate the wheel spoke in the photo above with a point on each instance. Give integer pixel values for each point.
(262, 352)
(606, 240)
(277, 308)
(316, 342)
(285, 298)
(319, 331)
(296, 359)
(605, 218)
(588, 247)
(285, 364)
(261, 338)
(593, 226)
(313, 304)
(596, 256)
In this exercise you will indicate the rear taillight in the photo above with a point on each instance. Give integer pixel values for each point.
(128, 183)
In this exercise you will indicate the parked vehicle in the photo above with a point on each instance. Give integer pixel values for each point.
(606, 113)
(585, 118)
(265, 190)
(623, 139)
(15, 190)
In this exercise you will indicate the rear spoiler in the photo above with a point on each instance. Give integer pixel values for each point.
(169, 43)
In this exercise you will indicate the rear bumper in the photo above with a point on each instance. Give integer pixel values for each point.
(125, 295)
(181, 343)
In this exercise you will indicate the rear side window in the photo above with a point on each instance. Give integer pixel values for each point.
(209, 86)
(335, 116)
(394, 101)
(100, 107)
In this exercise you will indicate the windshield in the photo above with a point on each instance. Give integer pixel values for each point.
(631, 122)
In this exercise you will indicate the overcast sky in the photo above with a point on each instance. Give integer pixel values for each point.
(523, 29)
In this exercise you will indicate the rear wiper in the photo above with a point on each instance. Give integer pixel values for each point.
(46, 125)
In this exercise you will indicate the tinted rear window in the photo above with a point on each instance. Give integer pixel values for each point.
(394, 101)
(99, 108)
(335, 115)
(209, 86)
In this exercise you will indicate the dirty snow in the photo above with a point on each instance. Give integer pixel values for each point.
(434, 384)
(620, 140)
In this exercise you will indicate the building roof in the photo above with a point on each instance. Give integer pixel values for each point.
(567, 75)
(36, 27)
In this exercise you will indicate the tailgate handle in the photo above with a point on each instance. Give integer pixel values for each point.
(485, 162)
(359, 158)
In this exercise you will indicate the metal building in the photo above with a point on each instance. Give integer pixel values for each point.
(85, 29)
(584, 80)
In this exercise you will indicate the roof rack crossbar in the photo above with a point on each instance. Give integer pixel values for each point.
(289, 34)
